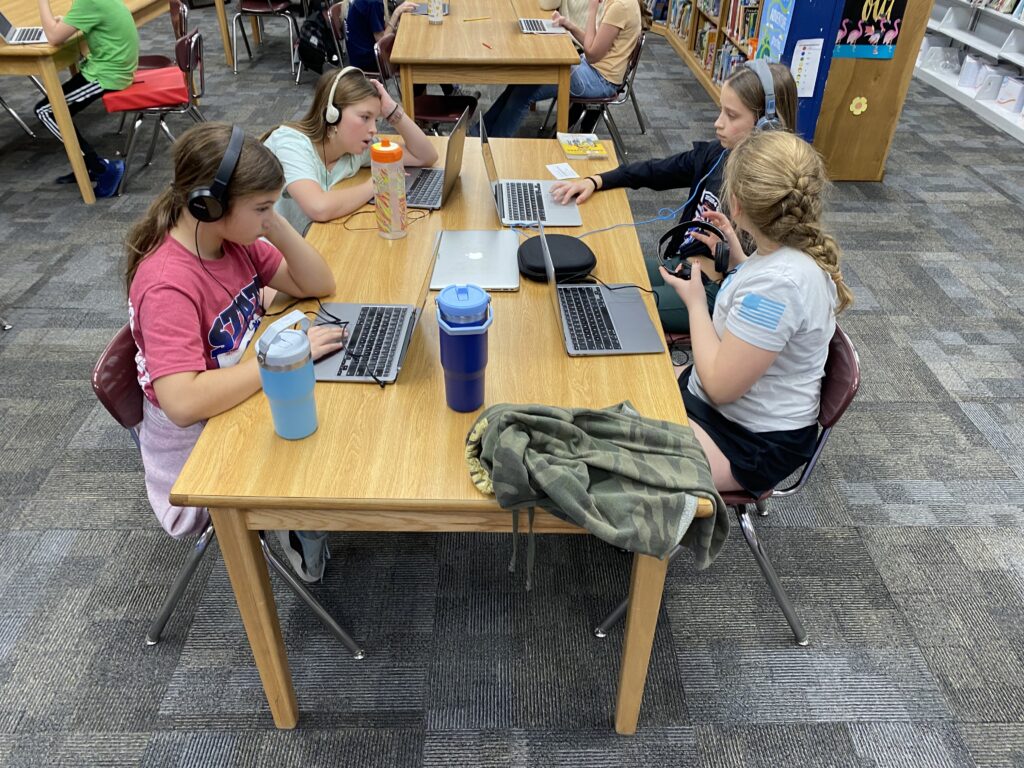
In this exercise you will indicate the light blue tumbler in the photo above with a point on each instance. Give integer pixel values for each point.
(286, 370)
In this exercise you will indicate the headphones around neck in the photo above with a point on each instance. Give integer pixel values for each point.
(671, 262)
(770, 120)
(331, 114)
(209, 204)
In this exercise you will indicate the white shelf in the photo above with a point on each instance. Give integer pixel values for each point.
(970, 39)
(986, 110)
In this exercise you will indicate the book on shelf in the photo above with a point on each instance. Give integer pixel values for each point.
(726, 60)
(741, 21)
(577, 146)
(679, 14)
(711, 7)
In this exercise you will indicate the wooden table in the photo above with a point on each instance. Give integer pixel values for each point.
(454, 51)
(45, 60)
(364, 469)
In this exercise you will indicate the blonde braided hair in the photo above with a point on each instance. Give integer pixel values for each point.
(780, 183)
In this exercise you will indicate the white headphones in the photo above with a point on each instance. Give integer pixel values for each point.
(331, 114)
(770, 120)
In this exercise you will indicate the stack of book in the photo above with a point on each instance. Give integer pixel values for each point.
(741, 24)
(704, 45)
(679, 14)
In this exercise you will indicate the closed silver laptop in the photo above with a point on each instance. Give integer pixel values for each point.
(487, 258)
(429, 187)
(13, 35)
(524, 202)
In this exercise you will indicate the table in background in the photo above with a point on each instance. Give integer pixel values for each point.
(343, 478)
(454, 51)
(44, 60)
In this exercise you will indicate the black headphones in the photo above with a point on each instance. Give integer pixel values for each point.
(671, 262)
(770, 120)
(208, 204)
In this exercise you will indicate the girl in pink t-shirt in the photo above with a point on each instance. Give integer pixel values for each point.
(194, 303)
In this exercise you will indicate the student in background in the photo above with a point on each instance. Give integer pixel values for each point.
(365, 25)
(327, 146)
(606, 48)
(754, 390)
(113, 42)
(194, 304)
(701, 170)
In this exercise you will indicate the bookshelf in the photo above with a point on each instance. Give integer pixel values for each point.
(712, 36)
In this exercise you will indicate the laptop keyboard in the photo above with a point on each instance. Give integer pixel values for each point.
(532, 25)
(27, 34)
(425, 188)
(586, 314)
(524, 201)
(373, 343)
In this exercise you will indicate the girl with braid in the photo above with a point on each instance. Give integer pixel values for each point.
(754, 390)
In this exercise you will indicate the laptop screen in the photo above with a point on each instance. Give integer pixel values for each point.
(549, 272)
(453, 155)
(492, 172)
(5, 25)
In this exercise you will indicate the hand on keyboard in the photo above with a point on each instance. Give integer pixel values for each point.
(326, 339)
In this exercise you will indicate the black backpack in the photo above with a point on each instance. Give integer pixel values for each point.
(316, 48)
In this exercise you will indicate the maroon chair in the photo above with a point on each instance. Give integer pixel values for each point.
(116, 384)
(431, 111)
(839, 385)
(261, 9)
(179, 25)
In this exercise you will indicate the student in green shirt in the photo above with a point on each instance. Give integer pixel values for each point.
(113, 41)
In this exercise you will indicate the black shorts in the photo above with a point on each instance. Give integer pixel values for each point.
(760, 460)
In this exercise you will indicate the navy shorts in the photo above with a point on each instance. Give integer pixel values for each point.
(760, 460)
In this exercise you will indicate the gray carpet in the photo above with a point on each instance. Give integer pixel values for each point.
(905, 556)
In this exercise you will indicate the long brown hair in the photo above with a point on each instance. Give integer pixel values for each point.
(352, 88)
(197, 156)
(747, 86)
(646, 17)
(779, 182)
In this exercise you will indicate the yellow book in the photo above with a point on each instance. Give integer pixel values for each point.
(581, 145)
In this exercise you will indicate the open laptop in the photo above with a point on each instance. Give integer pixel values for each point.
(487, 258)
(13, 35)
(428, 187)
(598, 319)
(524, 202)
(379, 336)
(540, 27)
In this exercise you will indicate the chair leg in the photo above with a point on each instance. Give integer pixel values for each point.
(613, 129)
(762, 507)
(5, 325)
(166, 129)
(196, 115)
(613, 618)
(639, 114)
(181, 582)
(17, 117)
(543, 131)
(133, 134)
(747, 526)
(307, 597)
(152, 141)
(120, 125)
(291, 45)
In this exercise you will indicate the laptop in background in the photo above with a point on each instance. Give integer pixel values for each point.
(524, 202)
(540, 27)
(13, 35)
(598, 319)
(428, 187)
(488, 258)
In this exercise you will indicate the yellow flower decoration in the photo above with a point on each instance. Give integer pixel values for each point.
(859, 105)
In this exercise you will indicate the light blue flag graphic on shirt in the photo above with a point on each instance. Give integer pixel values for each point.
(761, 311)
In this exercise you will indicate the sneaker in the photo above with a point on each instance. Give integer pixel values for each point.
(69, 178)
(307, 552)
(108, 183)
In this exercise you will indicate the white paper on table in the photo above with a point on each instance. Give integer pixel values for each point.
(806, 58)
(563, 171)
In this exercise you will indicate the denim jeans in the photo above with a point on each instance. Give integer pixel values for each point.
(506, 114)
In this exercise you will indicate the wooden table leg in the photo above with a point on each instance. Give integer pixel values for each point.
(257, 36)
(54, 92)
(225, 31)
(247, 570)
(645, 589)
(408, 97)
(563, 99)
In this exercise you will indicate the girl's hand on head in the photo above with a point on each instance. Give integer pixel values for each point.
(564, 191)
(325, 339)
(689, 290)
(387, 103)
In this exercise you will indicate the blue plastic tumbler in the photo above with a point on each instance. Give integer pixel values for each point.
(286, 370)
(464, 314)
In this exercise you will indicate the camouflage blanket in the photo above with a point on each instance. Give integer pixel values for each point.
(631, 481)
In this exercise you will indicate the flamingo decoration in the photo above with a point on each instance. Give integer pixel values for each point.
(842, 31)
(877, 35)
(855, 33)
(891, 34)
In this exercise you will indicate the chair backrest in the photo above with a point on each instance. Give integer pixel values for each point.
(335, 17)
(179, 17)
(382, 50)
(841, 380)
(188, 52)
(115, 380)
(634, 61)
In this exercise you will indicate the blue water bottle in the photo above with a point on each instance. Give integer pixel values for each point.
(286, 370)
(464, 314)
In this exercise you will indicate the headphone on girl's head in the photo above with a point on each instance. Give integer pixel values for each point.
(720, 254)
(208, 204)
(331, 114)
(770, 120)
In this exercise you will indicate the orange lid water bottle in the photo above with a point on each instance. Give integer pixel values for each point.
(389, 189)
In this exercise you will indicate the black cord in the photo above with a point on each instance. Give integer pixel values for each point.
(326, 317)
(629, 285)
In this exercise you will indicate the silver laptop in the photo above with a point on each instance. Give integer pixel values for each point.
(598, 319)
(524, 202)
(488, 258)
(540, 27)
(13, 35)
(428, 187)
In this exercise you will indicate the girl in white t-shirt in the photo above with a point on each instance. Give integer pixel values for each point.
(754, 391)
(332, 142)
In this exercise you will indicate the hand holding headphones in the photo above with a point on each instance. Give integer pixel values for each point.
(680, 267)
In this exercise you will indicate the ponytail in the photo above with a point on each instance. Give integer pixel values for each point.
(646, 17)
(148, 233)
